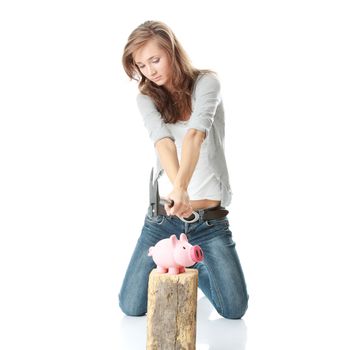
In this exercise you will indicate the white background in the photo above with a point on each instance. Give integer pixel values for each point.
(75, 161)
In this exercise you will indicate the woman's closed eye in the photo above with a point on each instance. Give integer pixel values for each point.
(154, 61)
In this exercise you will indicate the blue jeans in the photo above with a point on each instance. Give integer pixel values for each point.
(220, 276)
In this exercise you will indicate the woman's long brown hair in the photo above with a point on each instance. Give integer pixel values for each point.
(172, 106)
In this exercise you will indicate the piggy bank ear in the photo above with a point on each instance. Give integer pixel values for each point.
(173, 240)
(183, 238)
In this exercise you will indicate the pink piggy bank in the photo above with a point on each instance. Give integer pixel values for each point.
(172, 255)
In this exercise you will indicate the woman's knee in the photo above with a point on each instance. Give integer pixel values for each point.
(131, 308)
(235, 310)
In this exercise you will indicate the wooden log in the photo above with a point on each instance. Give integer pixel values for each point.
(172, 311)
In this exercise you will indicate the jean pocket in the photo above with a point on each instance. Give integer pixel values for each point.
(159, 219)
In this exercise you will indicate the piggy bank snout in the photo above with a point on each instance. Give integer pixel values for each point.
(196, 253)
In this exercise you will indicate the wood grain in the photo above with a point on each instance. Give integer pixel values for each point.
(172, 311)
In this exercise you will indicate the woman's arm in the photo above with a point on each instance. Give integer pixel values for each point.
(167, 153)
(207, 98)
(189, 157)
(180, 174)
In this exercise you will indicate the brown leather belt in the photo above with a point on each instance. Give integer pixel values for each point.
(206, 214)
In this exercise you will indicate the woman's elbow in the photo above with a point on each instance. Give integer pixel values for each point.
(196, 134)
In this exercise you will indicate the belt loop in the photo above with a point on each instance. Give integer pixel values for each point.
(201, 213)
(150, 211)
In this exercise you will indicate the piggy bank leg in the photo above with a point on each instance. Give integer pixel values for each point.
(173, 270)
(161, 269)
(182, 269)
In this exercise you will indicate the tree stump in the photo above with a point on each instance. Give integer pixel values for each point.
(172, 311)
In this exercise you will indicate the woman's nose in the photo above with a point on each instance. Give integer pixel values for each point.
(151, 71)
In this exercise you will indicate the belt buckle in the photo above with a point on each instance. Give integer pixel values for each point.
(189, 220)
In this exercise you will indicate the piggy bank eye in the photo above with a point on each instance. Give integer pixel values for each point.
(183, 247)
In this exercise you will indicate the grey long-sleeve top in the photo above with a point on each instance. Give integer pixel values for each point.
(207, 116)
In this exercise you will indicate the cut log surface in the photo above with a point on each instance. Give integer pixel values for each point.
(172, 311)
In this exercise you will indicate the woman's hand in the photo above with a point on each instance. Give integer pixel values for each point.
(182, 206)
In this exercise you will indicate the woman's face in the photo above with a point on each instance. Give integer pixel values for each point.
(154, 63)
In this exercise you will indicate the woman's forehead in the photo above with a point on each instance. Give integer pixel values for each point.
(147, 51)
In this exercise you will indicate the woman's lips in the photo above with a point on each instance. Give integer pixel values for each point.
(156, 79)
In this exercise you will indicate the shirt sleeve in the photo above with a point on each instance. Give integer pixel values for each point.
(152, 119)
(206, 100)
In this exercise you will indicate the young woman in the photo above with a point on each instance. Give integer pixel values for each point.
(183, 112)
